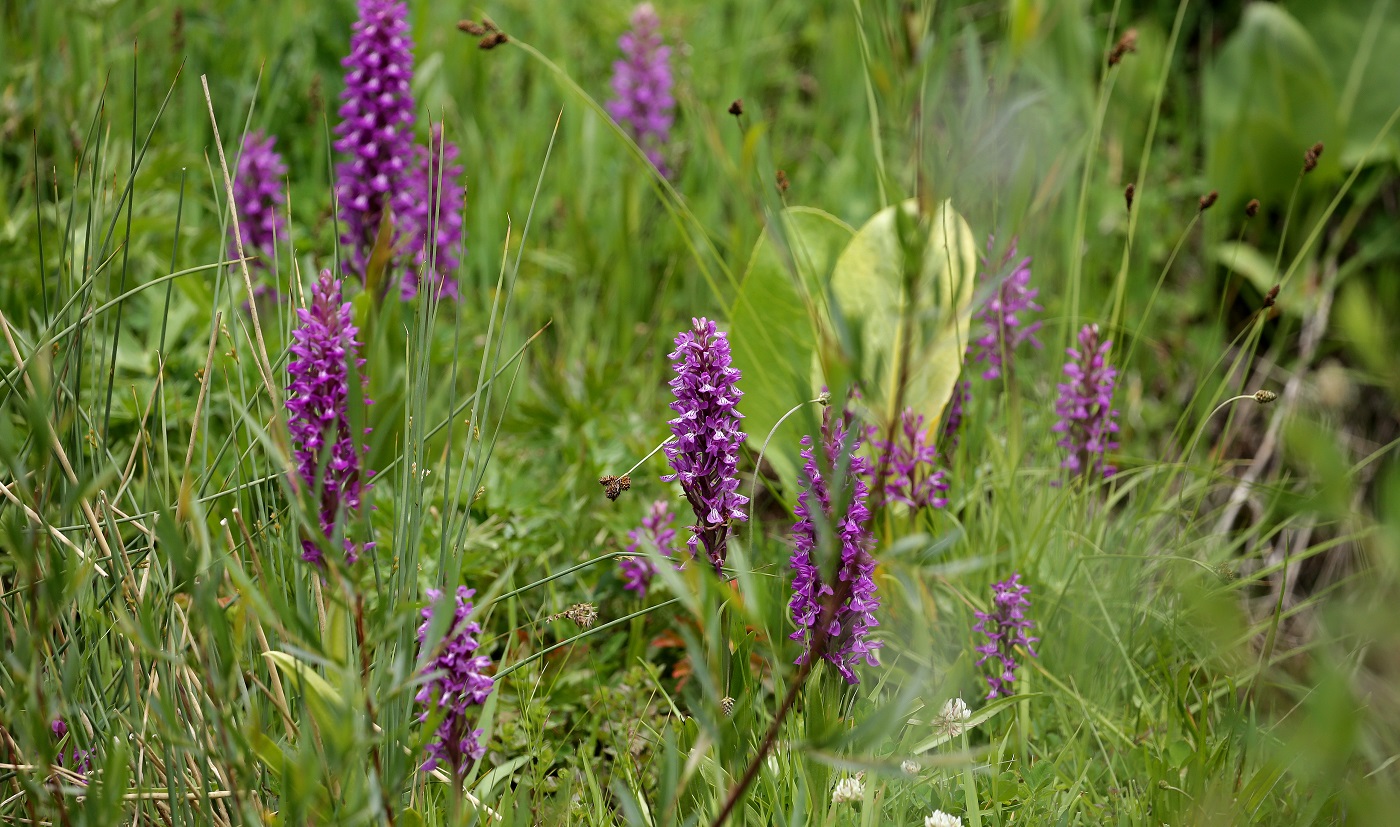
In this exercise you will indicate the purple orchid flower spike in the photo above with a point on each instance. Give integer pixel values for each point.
(1003, 317)
(458, 682)
(655, 532)
(704, 455)
(1085, 407)
(1006, 627)
(641, 84)
(318, 397)
(376, 128)
(854, 586)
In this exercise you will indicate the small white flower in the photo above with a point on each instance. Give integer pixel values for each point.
(910, 766)
(942, 819)
(953, 719)
(848, 789)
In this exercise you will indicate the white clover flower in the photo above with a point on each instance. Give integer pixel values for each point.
(910, 766)
(942, 819)
(848, 789)
(954, 717)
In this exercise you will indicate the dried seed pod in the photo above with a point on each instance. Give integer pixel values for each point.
(584, 614)
(1208, 200)
(1252, 208)
(782, 182)
(737, 107)
(471, 27)
(492, 40)
(614, 486)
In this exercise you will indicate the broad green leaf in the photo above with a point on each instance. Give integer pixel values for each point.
(921, 320)
(773, 326)
(1357, 40)
(978, 718)
(1268, 98)
(488, 782)
(1258, 268)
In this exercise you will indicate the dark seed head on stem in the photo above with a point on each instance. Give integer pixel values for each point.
(737, 107)
(1270, 297)
(1208, 200)
(1127, 43)
(1310, 157)
(492, 40)
(1128, 193)
(1252, 208)
(782, 182)
(471, 27)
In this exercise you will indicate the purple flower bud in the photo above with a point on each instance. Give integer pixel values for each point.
(59, 727)
(642, 86)
(376, 127)
(1006, 627)
(323, 346)
(655, 532)
(1005, 329)
(1085, 406)
(435, 217)
(952, 422)
(257, 194)
(910, 465)
(705, 452)
(457, 681)
(853, 588)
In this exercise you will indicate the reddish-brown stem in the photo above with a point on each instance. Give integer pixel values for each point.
(369, 703)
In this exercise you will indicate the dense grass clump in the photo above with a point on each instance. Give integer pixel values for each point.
(843, 413)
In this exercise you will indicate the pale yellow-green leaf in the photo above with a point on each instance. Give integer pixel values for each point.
(309, 680)
(923, 322)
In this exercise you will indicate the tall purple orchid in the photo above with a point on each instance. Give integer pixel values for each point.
(434, 217)
(257, 195)
(1085, 407)
(853, 589)
(376, 128)
(655, 532)
(318, 417)
(641, 85)
(1005, 328)
(910, 463)
(1006, 627)
(458, 681)
(704, 455)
